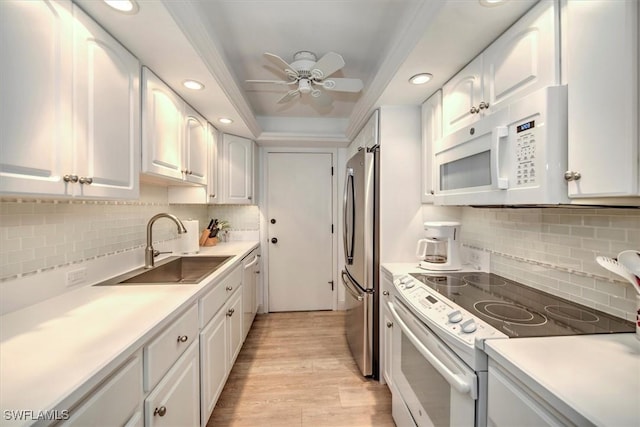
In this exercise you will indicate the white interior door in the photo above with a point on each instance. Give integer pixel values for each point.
(300, 217)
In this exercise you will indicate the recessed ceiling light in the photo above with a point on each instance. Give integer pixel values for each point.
(125, 6)
(492, 3)
(193, 84)
(225, 120)
(420, 79)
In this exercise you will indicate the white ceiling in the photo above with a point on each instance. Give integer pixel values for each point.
(383, 42)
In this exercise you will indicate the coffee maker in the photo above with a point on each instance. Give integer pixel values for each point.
(440, 250)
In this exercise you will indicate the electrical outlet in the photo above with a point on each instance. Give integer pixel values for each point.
(76, 277)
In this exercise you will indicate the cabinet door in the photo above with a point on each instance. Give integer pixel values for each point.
(238, 170)
(459, 95)
(176, 399)
(431, 133)
(235, 333)
(214, 364)
(213, 194)
(35, 96)
(388, 345)
(195, 148)
(525, 58)
(106, 113)
(603, 97)
(162, 128)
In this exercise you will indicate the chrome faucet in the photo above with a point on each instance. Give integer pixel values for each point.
(149, 253)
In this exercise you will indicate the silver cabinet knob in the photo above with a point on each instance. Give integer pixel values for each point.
(70, 178)
(230, 312)
(183, 338)
(385, 293)
(474, 110)
(160, 411)
(85, 180)
(249, 198)
(229, 288)
(572, 176)
(212, 195)
(389, 324)
(483, 105)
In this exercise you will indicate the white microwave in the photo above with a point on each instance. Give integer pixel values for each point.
(515, 156)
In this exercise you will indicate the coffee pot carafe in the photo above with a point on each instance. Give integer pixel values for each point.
(440, 250)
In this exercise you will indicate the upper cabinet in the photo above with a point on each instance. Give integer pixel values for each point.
(213, 193)
(237, 158)
(174, 135)
(602, 99)
(525, 58)
(431, 132)
(75, 131)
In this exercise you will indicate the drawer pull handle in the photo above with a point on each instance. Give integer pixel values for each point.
(229, 288)
(385, 293)
(183, 338)
(230, 312)
(160, 411)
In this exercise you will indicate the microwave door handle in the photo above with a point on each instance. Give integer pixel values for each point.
(348, 233)
(454, 380)
(497, 134)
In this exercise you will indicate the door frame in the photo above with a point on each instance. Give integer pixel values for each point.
(264, 209)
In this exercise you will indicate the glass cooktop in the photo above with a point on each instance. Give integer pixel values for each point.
(518, 310)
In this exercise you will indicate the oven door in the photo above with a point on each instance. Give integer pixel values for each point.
(438, 388)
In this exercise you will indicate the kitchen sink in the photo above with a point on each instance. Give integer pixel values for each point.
(171, 271)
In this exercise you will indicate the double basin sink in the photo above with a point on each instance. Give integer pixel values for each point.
(171, 271)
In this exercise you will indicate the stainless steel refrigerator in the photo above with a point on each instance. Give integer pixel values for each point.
(360, 276)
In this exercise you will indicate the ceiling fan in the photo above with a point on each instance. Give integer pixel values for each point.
(307, 74)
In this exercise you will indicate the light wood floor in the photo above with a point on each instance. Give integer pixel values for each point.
(295, 369)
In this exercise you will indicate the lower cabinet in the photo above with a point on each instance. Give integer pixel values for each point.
(386, 329)
(175, 401)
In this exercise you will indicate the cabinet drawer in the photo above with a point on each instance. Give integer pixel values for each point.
(114, 403)
(165, 349)
(215, 299)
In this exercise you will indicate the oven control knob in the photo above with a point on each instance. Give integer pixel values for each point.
(409, 284)
(468, 326)
(455, 316)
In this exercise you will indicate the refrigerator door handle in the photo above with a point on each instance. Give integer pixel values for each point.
(354, 293)
(348, 234)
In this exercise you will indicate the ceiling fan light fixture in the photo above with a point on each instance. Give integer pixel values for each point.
(193, 84)
(420, 79)
(225, 120)
(130, 7)
(304, 86)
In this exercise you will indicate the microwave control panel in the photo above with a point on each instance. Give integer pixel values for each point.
(526, 154)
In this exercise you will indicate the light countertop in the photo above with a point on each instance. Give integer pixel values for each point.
(54, 352)
(590, 378)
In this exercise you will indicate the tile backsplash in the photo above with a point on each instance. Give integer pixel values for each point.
(554, 249)
(39, 235)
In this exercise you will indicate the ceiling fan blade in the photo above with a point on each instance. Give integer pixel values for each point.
(278, 82)
(281, 63)
(327, 65)
(321, 99)
(289, 96)
(343, 85)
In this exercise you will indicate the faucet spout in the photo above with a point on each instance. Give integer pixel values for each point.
(148, 251)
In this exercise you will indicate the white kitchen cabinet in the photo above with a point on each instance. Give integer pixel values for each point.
(237, 168)
(251, 269)
(235, 333)
(175, 401)
(213, 193)
(431, 133)
(214, 364)
(75, 132)
(523, 59)
(386, 329)
(116, 402)
(602, 98)
(196, 147)
(174, 135)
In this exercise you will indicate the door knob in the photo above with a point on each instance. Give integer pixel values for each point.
(273, 221)
(274, 240)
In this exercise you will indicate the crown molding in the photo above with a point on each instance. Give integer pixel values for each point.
(190, 21)
(425, 12)
(289, 139)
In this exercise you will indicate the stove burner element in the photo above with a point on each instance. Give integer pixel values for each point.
(571, 313)
(510, 313)
(484, 280)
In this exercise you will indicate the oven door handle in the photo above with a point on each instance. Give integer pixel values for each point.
(454, 380)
